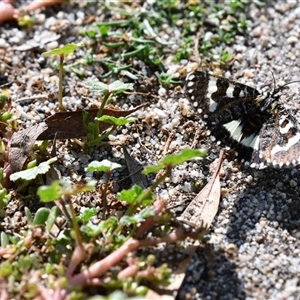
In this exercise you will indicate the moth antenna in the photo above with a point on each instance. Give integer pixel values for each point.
(289, 83)
(274, 82)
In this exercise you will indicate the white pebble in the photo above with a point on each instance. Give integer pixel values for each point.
(60, 15)
(3, 43)
(292, 40)
(49, 22)
(80, 14)
(51, 45)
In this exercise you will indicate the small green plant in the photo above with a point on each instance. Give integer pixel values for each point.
(107, 91)
(8, 125)
(5, 105)
(62, 53)
(166, 79)
(4, 195)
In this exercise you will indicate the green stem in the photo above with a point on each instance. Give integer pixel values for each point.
(104, 202)
(60, 83)
(99, 114)
(73, 220)
(96, 141)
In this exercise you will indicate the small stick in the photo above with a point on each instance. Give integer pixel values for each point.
(31, 98)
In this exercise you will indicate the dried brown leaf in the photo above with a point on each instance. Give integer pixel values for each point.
(69, 124)
(135, 171)
(203, 208)
(21, 144)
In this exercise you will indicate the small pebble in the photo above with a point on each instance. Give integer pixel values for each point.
(292, 40)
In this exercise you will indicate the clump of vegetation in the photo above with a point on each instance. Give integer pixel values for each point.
(104, 247)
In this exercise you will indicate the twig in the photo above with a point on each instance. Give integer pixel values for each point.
(27, 99)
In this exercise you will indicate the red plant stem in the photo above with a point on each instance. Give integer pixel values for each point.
(97, 269)
(159, 205)
(4, 294)
(130, 271)
(105, 264)
(78, 256)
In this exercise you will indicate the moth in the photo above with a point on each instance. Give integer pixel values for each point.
(263, 132)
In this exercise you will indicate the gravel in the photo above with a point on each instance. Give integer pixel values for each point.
(253, 251)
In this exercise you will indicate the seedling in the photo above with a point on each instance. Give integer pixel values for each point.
(107, 91)
(61, 52)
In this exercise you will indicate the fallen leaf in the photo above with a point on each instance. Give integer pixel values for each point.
(203, 208)
(21, 144)
(135, 171)
(69, 124)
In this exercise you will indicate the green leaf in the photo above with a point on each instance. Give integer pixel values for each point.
(96, 86)
(116, 86)
(120, 86)
(103, 30)
(28, 215)
(116, 121)
(106, 226)
(41, 216)
(24, 263)
(132, 196)
(31, 164)
(6, 268)
(175, 159)
(32, 173)
(62, 187)
(104, 166)
(86, 214)
(51, 218)
(91, 229)
(65, 50)
(4, 239)
(51, 192)
(110, 223)
(138, 218)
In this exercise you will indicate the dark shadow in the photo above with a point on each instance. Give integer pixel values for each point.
(274, 197)
(211, 275)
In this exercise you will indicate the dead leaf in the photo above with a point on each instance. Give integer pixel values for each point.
(69, 124)
(199, 212)
(203, 208)
(21, 144)
(135, 171)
